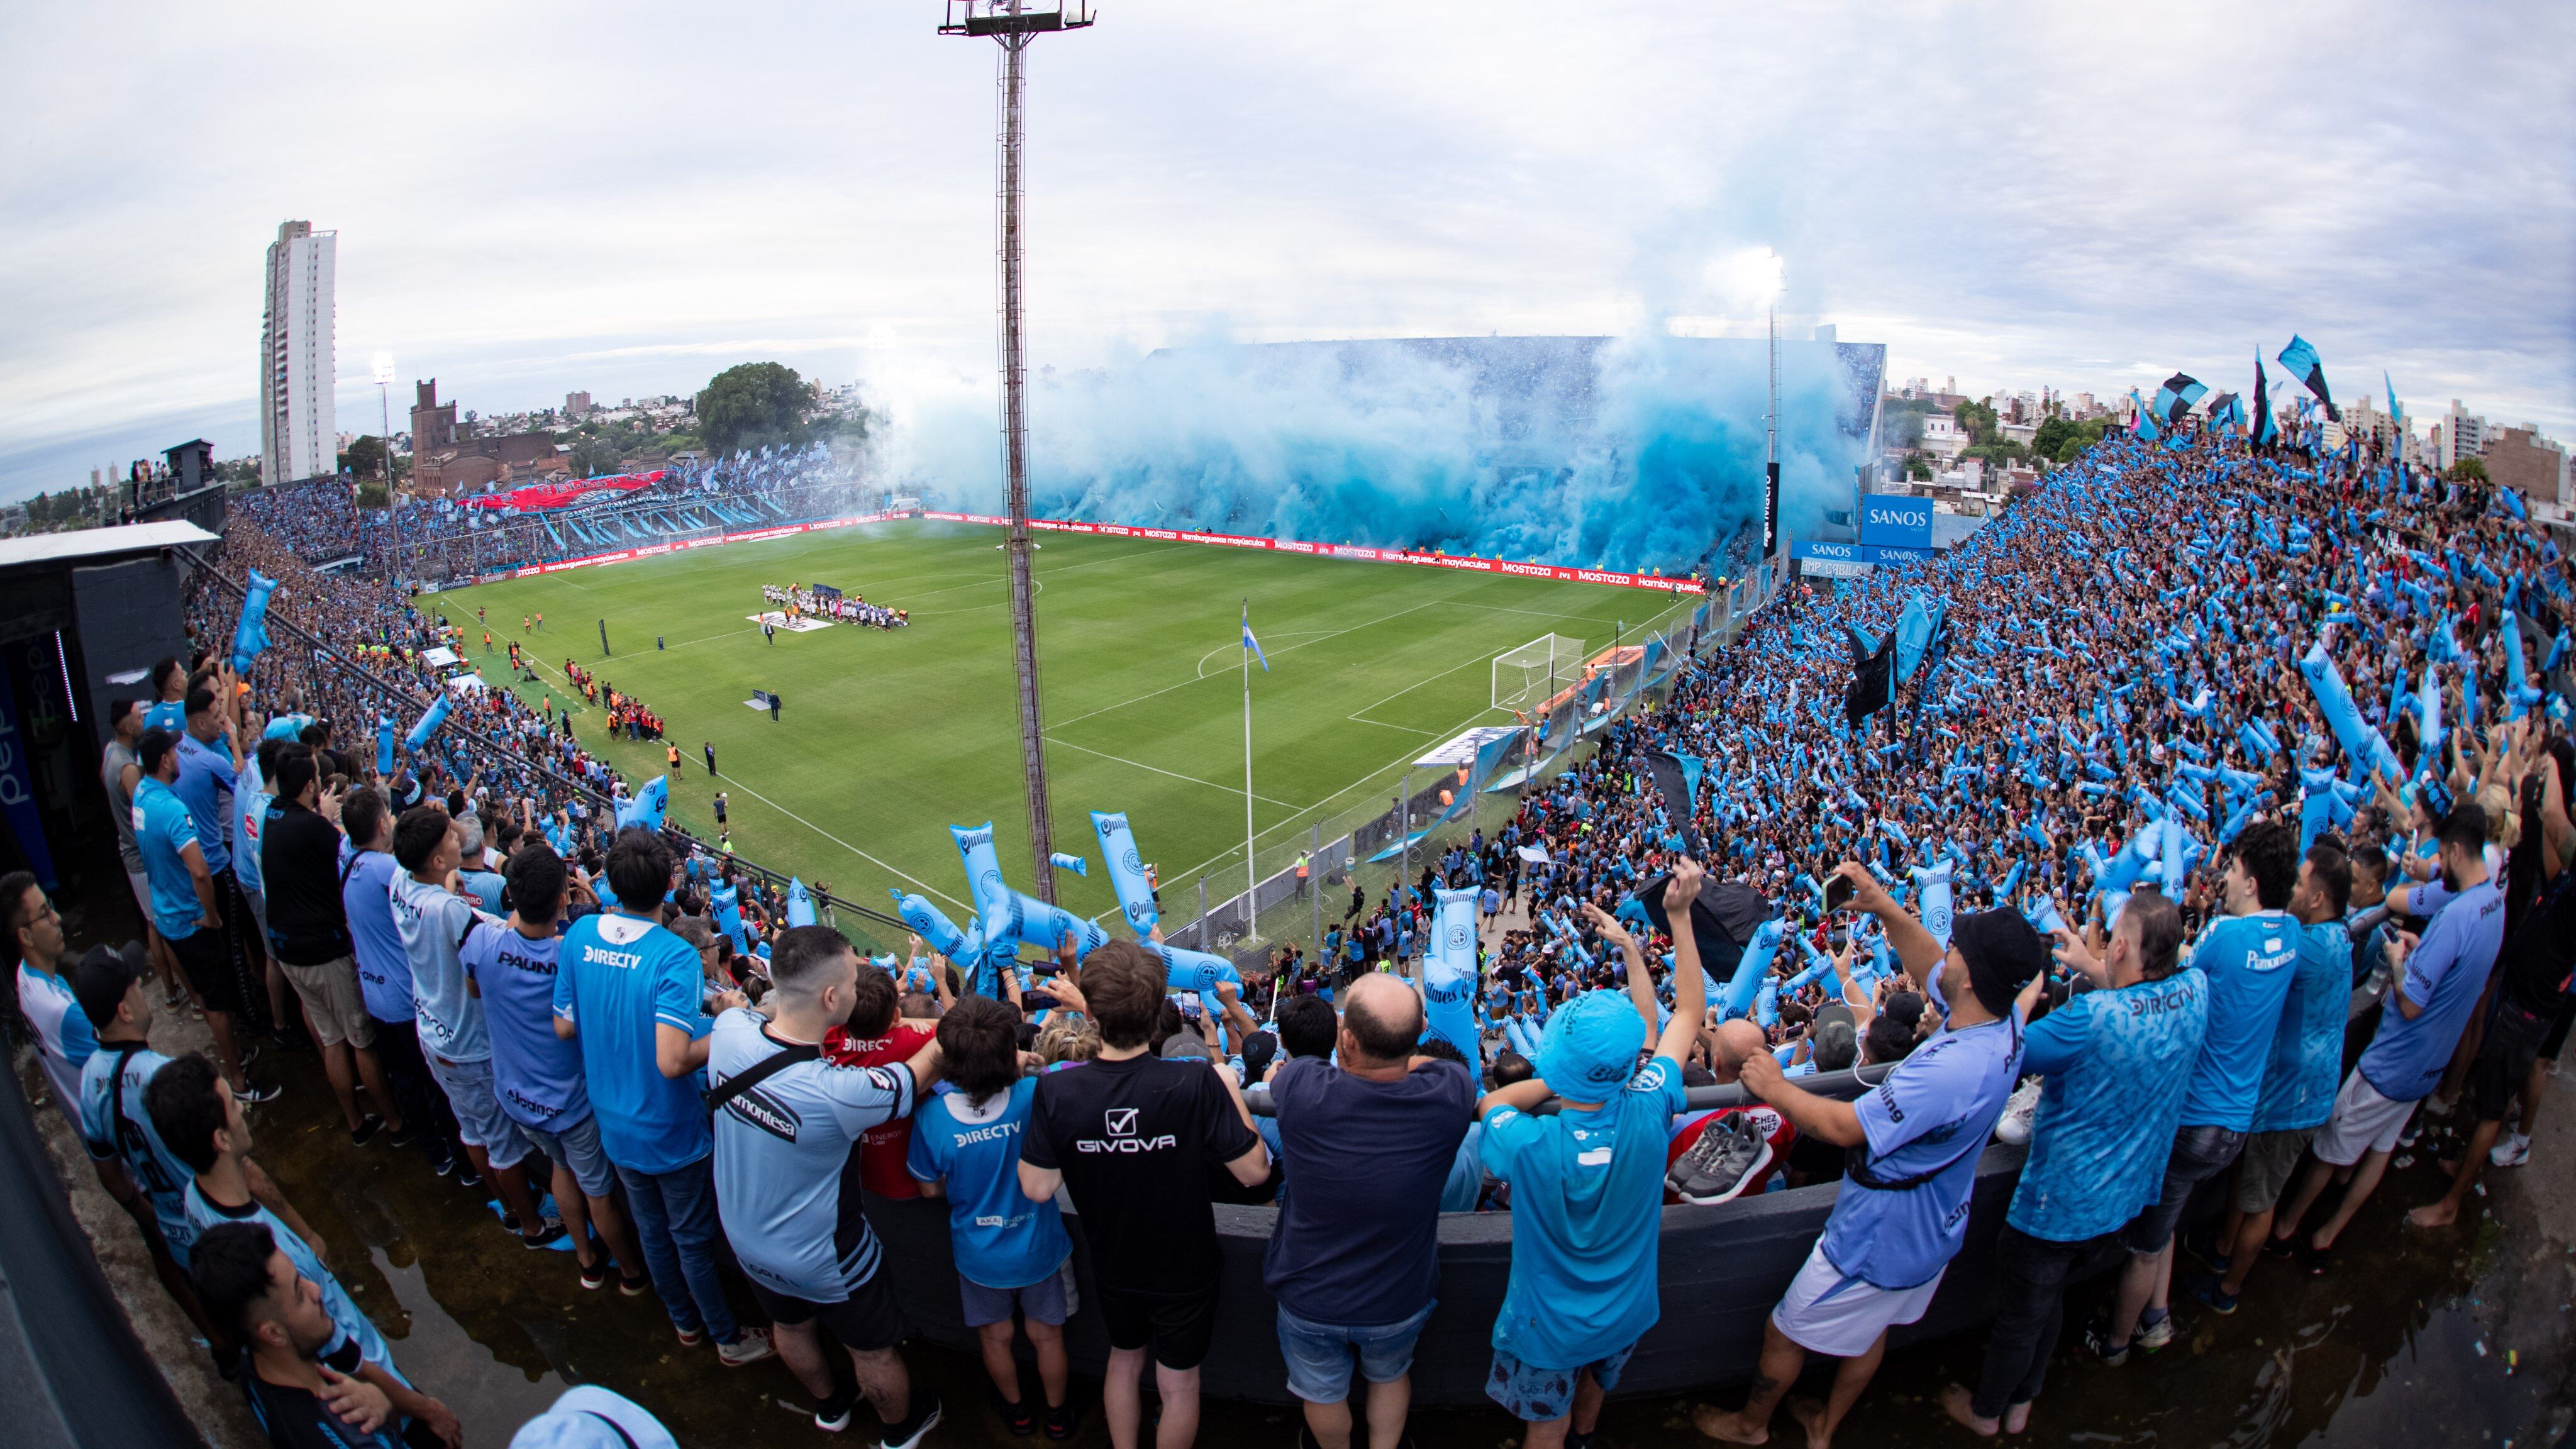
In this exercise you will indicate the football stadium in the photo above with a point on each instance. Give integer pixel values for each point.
(885, 737)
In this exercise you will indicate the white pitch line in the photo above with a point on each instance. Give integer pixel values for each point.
(1159, 770)
(845, 845)
(1408, 689)
(1197, 679)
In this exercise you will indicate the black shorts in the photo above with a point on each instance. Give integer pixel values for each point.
(1176, 1329)
(208, 959)
(2558, 1033)
(2505, 1055)
(865, 1321)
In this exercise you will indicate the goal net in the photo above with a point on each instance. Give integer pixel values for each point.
(1527, 677)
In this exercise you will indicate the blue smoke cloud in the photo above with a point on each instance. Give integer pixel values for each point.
(1620, 453)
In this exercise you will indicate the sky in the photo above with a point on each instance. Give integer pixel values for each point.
(535, 198)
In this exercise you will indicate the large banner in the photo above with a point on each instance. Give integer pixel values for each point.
(1900, 522)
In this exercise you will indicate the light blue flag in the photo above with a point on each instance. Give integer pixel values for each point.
(1251, 643)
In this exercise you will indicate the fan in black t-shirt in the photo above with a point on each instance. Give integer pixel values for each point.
(1131, 1137)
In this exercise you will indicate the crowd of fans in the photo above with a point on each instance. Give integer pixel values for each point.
(2103, 880)
(436, 539)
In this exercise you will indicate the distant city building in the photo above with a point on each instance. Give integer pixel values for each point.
(2464, 435)
(297, 430)
(2521, 459)
(443, 462)
(576, 404)
(433, 423)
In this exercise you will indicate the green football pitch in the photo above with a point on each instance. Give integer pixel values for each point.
(886, 737)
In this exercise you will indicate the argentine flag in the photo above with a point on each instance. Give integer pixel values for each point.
(1251, 643)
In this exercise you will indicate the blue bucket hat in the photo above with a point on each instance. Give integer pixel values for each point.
(1589, 1049)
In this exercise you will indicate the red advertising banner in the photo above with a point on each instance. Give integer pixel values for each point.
(1354, 552)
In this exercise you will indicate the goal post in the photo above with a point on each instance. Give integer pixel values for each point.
(1527, 677)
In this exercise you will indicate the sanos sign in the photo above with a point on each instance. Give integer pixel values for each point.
(1901, 522)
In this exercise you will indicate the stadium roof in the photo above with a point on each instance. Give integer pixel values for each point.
(96, 542)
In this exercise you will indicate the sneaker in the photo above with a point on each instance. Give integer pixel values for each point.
(2413, 1130)
(249, 1054)
(403, 1136)
(1018, 1418)
(466, 1176)
(1727, 1158)
(446, 1164)
(832, 1415)
(254, 1094)
(1062, 1421)
(2513, 1151)
(2320, 1260)
(549, 1233)
(2153, 1336)
(752, 1347)
(2213, 1292)
(366, 1130)
(2097, 1341)
(594, 1276)
(2020, 1110)
(635, 1287)
(690, 1337)
(925, 1417)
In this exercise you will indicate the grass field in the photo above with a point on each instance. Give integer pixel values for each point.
(886, 737)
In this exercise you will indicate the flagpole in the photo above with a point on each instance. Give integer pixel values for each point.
(1251, 880)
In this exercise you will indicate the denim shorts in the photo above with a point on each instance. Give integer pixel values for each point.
(576, 1146)
(1051, 1299)
(1319, 1354)
(1544, 1395)
(2199, 1154)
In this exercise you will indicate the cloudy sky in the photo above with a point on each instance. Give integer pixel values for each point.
(535, 197)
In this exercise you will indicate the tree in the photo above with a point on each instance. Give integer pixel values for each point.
(1977, 420)
(754, 405)
(2052, 436)
(594, 455)
(2470, 468)
(365, 458)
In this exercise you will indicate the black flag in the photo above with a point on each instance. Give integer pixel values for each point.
(1873, 673)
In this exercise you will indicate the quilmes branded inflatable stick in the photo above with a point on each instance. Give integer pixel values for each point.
(647, 806)
(1194, 971)
(1074, 863)
(1126, 870)
(800, 903)
(1932, 895)
(1449, 970)
(384, 745)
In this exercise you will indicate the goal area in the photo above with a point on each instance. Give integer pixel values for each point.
(1527, 677)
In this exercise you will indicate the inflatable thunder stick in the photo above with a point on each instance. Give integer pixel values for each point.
(1449, 971)
(1126, 870)
(251, 635)
(430, 719)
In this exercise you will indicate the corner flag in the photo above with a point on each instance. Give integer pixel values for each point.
(1251, 643)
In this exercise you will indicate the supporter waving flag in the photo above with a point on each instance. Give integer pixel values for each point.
(2301, 359)
(2267, 432)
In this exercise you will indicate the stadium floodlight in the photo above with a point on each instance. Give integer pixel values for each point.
(1016, 23)
(1526, 678)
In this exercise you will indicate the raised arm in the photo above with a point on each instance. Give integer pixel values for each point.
(1690, 987)
(1915, 947)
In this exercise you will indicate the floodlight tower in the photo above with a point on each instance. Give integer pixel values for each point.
(1016, 23)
